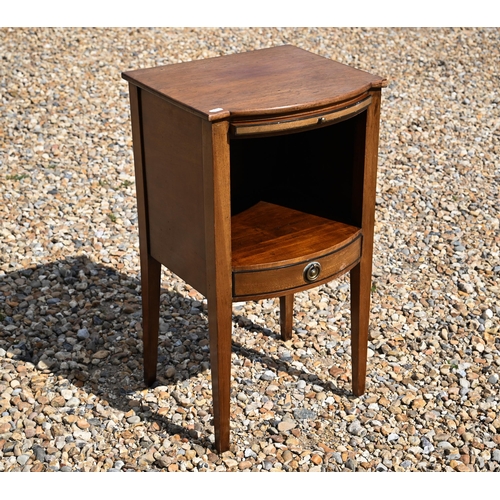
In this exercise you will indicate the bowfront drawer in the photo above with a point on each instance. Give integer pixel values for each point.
(274, 281)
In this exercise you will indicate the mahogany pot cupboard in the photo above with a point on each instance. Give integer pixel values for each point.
(255, 177)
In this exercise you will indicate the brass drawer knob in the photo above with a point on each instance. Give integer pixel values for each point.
(312, 271)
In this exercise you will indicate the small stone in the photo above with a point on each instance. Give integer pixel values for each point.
(5, 427)
(242, 397)
(271, 389)
(268, 375)
(493, 379)
(383, 401)
(82, 424)
(39, 452)
(70, 419)
(164, 461)
(146, 459)
(301, 384)
(268, 405)
(80, 434)
(73, 402)
(393, 437)
(459, 466)
(445, 445)
(304, 414)
(83, 334)
(22, 459)
(335, 371)
(30, 432)
(418, 403)
(103, 353)
(45, 364)
(285, 426)
(351, 464)
(246, 464)
(426, 445)
(66, 394)
(58, 402)
(464, 286)
(487, 314)
(356, 429)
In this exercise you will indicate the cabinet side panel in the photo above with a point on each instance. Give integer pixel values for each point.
(174, 176)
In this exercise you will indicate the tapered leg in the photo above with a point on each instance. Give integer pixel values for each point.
(150, 268)
(364, 191)
(286, 316)
(220, 327)
(150, 284)
(360, 315)
(218, 264)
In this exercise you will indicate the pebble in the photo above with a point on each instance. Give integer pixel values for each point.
(304, 414)
(286, 426)
(67, 394)
(83, 334)
(39, 453)
(268, 375)
(351, 464)
(356, 428)
(70, 297)
(73, 402)
(427, 446)
(230, 463)
(301, 384)
(22, 459)
(246, 464)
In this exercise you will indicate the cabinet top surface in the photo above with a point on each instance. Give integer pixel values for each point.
(278, 80)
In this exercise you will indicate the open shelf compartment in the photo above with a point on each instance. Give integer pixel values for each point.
(272, 246)
(295, 201)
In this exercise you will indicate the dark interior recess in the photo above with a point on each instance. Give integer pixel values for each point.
(315, 171)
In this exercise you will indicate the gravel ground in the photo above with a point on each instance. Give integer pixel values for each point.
(71, 390)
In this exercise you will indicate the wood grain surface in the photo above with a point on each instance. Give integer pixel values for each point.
(280, 79)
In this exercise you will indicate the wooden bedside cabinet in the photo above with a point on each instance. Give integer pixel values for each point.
(256, 177)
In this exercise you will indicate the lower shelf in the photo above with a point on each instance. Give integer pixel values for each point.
(273, 245)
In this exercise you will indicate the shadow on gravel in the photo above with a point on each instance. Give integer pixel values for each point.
(81, 321)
